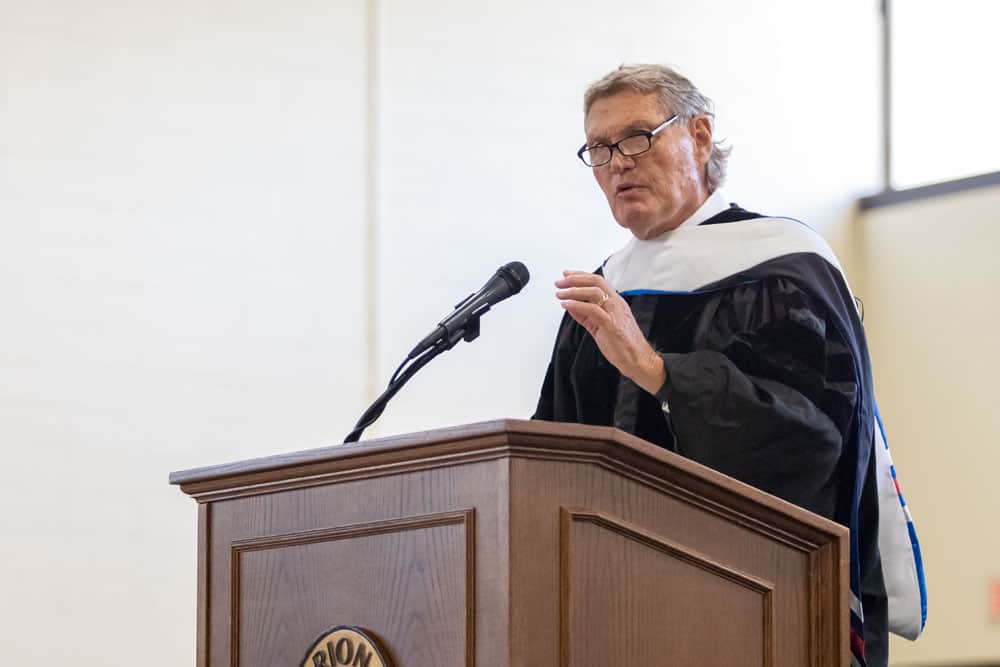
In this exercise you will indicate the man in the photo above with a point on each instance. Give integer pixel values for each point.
(729, 338)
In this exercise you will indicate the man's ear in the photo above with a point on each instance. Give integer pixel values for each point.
(700, 128)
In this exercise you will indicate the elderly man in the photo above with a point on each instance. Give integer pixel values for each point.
(726, 336)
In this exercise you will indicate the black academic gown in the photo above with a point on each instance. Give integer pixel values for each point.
(764, 374)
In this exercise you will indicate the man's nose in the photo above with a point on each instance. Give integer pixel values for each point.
(620, 162)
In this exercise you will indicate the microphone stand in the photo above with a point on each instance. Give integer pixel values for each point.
(468, 333)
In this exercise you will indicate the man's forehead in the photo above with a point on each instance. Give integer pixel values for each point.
(622, 112)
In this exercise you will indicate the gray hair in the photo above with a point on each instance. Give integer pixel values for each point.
(676, 94)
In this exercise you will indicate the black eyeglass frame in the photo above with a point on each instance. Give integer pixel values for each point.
(649, 134)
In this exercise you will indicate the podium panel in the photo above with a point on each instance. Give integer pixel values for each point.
(379, 575)
(632, 598)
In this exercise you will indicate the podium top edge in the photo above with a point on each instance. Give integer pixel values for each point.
(604, 445)
(450, 434)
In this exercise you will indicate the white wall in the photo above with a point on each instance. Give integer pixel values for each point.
(182, 215)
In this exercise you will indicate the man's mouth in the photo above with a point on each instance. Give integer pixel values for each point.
(626, 188)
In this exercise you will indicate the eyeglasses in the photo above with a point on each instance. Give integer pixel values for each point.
(630, 146)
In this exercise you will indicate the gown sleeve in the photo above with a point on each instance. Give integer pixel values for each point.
(546, 407)
(557, 400)
(767, 393)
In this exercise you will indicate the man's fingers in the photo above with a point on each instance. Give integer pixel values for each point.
(588, 315)
(594, 295)
(580, 316)
(582, 279)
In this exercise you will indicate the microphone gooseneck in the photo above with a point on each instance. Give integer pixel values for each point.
(461, 324)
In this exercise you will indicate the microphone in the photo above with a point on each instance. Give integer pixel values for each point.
(463, 322)
(508, 280)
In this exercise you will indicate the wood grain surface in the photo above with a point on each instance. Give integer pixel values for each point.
(403, 576)
(630, 597)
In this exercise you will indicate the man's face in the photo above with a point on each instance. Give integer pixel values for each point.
(656, 191)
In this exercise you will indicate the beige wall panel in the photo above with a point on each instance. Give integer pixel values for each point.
(929, 278)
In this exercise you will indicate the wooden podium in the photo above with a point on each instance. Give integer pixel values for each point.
(512, 543)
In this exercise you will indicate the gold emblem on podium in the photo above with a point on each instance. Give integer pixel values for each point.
(345, 645)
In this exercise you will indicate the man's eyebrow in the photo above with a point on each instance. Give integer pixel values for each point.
(630, 129)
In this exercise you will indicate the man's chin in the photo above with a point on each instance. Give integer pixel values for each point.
(631, 217)
(639, 225)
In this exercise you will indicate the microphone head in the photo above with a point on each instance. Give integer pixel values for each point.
(515, 274)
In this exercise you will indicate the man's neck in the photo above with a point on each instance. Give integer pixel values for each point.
(700, 209)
